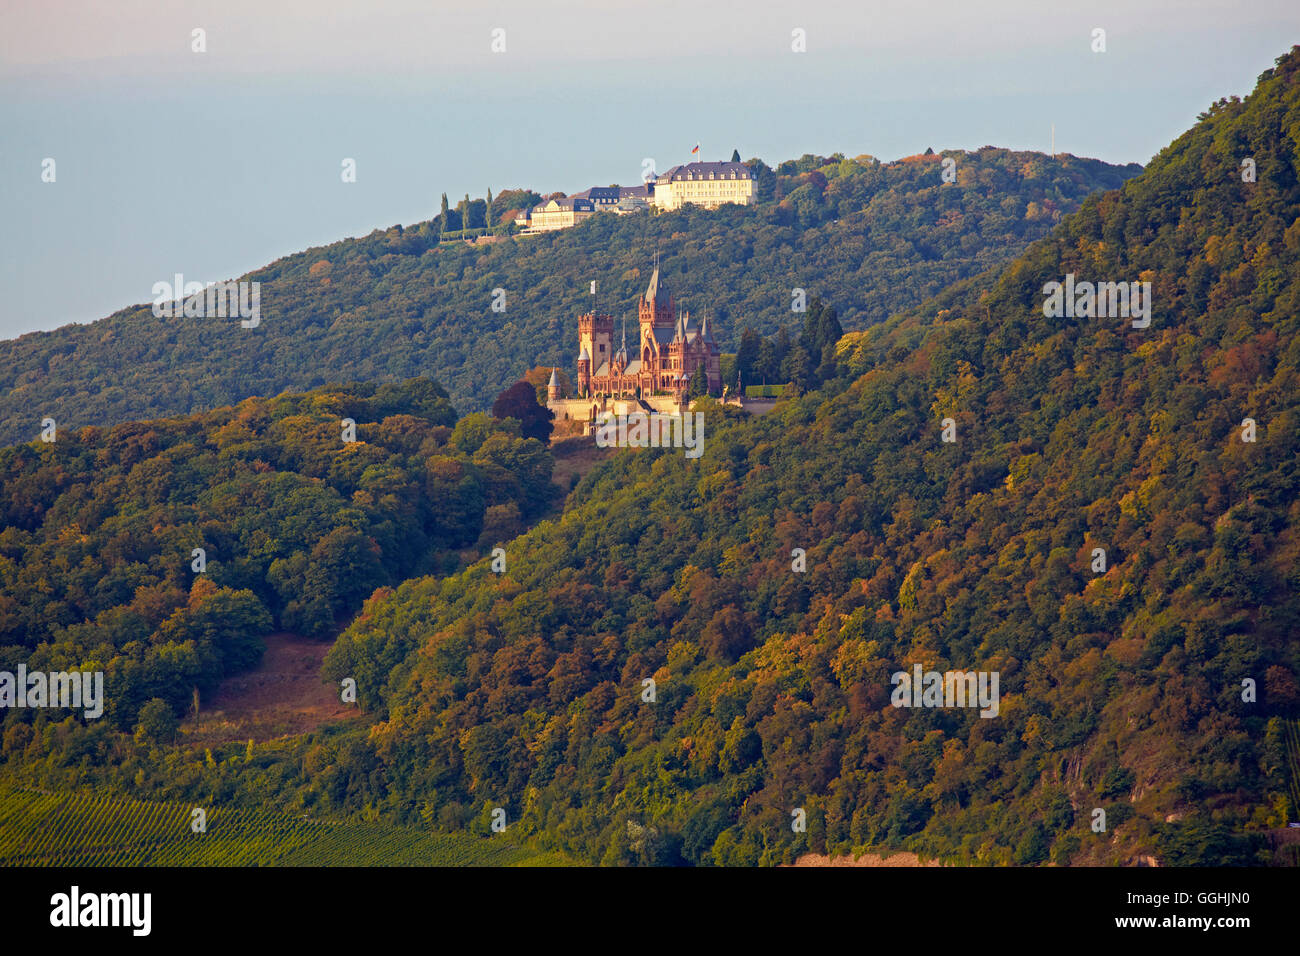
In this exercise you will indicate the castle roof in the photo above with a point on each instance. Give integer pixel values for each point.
(555, 380)
(726, 170)
(652, 290)
(584, 356)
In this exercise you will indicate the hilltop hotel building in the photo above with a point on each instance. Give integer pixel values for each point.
(657, 377)
(702, 184)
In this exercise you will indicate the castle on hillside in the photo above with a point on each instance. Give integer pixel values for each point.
(704, 184)
(670, 353)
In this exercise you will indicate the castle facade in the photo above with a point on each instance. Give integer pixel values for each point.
(670, 352)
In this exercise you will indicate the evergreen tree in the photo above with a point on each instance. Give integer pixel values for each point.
(797, 368)
(487, 212)
(747, 357)
(699, 382)
(767, 366)
(735, 155)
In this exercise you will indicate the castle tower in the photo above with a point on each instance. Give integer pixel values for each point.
(553, 387)
(596, 340)
(584, 372)
(656, 306)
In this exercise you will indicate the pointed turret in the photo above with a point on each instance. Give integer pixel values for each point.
(656, 306)
(706, 334)
(652, 290)
(621, 355)
(584, 372)
(553, 386)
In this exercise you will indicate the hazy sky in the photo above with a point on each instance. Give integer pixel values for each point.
(211, 164)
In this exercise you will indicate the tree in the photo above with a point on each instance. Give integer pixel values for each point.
(828, 368)
(699, 382)
(487, 212)
(751, 344)
(463, 209)
(475, 215)
(456, 502)
(157, 724)
(519, 402)
(442, 214)
(797, 368)
(767, 366)
(540, 378)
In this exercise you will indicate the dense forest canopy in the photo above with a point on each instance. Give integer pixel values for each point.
(872, 238)
(771, 587)
(296, 525)
(1122, 686)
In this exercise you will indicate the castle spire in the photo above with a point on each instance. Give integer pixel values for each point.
(621, 356)
(652, 290)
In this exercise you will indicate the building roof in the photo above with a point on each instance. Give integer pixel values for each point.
(644, 191)
(602, 371)
(633, 367)
(555, 380)
(726, 170)
(653, 289)
(583, 356)
(575, 203)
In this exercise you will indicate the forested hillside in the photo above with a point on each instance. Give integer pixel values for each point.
(98, 568)
(871, 238)
(1156, 687)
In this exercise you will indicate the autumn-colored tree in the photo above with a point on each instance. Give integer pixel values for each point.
(519, 402)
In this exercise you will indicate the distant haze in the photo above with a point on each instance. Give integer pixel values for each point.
(214, 164)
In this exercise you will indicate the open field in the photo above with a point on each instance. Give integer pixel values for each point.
(284, 695)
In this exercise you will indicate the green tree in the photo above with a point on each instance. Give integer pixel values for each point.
(157, 723)
(748, 357)
(699, 382)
